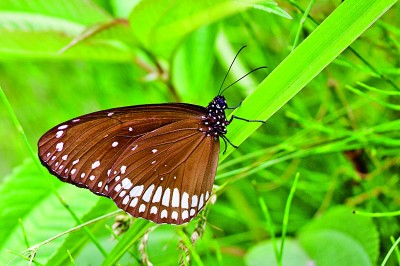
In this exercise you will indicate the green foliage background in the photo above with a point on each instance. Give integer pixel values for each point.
(285, 197)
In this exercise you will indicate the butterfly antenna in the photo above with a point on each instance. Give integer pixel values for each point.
(258, 68)
(219, 92)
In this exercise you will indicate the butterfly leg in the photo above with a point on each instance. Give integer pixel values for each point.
(244, 119)
(233, 108)
(226, 141)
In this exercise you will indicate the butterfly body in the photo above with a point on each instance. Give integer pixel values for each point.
(156, 161)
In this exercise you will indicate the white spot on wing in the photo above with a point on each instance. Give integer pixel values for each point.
(60, 146)
(62, 127)
(53, 158)
(114, 144)
(59, 134)
(165, 199)
(118, 188)
(157, 195)
(110, 114)
(95, 164)
(123, 193)
(65, 157)
(75, 162)
(192, 212)
(174, 215)
(185, 200)
(123, 168)
(134, 202)
(164, 214)
(134, 147)
(83, 175)
(153, 162)
(194, 201)
(125, 201)
(148, 193)
(201, 201)
(126, 183)
(48, 154)
(185, 214)
(207, 195)
(76, 120)
(175, 198)
(136, 191)
(153, 210)
(130, 129)
(100, 184)
(154, 150)
(92, 177)
(142, 208)
(73, 171)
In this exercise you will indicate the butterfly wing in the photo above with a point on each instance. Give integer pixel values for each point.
(82, 151)
(166, 175)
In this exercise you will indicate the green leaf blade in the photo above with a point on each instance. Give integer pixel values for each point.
(321, 47)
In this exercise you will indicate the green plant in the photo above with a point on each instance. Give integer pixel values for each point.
(339, 135)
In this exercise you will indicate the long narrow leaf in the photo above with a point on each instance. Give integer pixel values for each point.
(334, 35)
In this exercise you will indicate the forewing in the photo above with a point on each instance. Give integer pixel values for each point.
(167, 175)
(82, 151)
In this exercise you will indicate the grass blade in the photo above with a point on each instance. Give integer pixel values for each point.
(323, 45)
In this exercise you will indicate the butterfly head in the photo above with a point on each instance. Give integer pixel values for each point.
(220, 102)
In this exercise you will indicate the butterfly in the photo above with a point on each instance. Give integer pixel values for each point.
(155, 161)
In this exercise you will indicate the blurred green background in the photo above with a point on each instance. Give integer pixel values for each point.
(340, 133)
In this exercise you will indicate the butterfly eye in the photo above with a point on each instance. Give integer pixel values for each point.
(221, 102)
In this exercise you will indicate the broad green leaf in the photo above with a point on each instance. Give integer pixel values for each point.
(122, 8)
(26, 196)
(77, 11)
(341, 238)
(328, 247)
(41, 29)
(20, 193)
(263, 254)
(161, 25)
